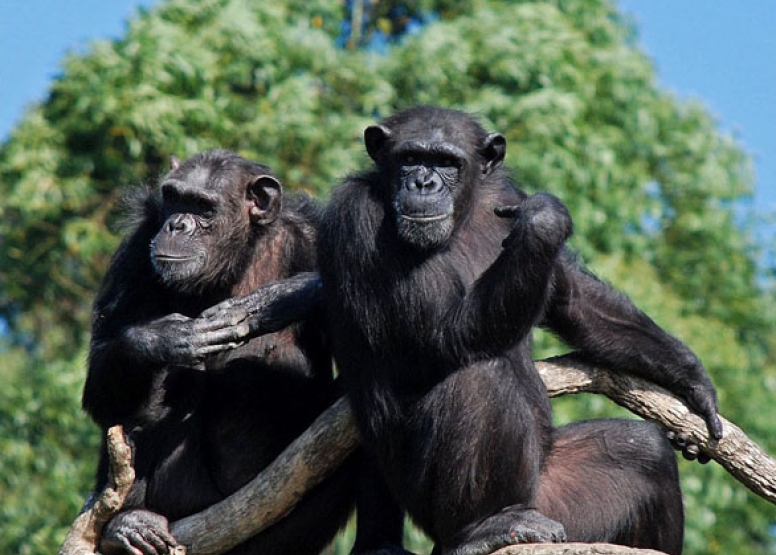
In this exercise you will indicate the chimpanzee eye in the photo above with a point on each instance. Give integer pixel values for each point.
(205, 208)
(170, 194)
(409, 159)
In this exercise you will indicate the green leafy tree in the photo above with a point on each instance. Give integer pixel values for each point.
(654, 187)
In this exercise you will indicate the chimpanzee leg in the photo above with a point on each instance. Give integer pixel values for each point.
(472, 456)
(380, 518)
(614, 481)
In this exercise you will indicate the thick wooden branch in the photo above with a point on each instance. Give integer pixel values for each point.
(573, 549)
(333, 437)
(276, 491)
(735, 452)
(84, 534)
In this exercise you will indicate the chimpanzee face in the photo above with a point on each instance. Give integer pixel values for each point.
(430, 170)
(210, 214)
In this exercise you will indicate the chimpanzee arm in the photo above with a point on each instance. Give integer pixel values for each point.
(610, 330)
(508, 299)
(267, 309)
(126, 360)
(133, 355)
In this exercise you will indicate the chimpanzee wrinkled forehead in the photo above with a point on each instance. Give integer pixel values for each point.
(216, 170)
(433, 124)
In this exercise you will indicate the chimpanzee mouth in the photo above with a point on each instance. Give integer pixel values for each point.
(425, 218)
(173, 258)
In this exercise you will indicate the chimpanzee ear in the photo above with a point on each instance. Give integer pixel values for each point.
(264, 195)
(175, 163)
(494, 148)
(375, 137)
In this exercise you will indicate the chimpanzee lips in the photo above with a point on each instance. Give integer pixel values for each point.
(174, 258)
(425, 218)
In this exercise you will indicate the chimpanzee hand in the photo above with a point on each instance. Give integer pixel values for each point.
(541, 216)
(512, 525)
(177, 339)
(137, 532)
(696, 389)
(265, 310)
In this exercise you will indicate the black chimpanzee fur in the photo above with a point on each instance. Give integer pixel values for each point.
(435, 270)
(204, 419)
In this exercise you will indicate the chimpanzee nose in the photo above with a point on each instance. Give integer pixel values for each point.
(426, 182)
(180, 224)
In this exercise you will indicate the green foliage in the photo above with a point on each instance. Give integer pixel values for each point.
(49, 450)
(654, 187)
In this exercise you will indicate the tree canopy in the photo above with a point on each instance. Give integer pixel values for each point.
(654, 187)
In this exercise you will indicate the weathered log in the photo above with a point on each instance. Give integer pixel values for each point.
(573, 549)
(276, 491)
(333, 437)
(84, 534)
(565, 375)
(735, 452)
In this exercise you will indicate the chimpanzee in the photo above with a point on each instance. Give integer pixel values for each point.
(204, 417)
(435, 269)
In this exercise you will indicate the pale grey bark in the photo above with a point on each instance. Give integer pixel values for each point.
(333, 437)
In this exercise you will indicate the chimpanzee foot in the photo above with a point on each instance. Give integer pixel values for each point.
(508, 527)
(690, 451)
(534, 527)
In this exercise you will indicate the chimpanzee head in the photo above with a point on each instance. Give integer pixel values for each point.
(213, 207)
(431, 159)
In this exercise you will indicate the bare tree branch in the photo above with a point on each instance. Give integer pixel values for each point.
(573, 549)
(333, 437)
(276, 491)
(735, 452)
(97, 510)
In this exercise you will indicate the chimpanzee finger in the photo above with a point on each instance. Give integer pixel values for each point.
(162, 539)
(678, 440)
(706, 407)
(715, 425)
(128, 547)
(222, 338)
(691, 452)
(153, 539)
(220, 316)
(219, 348)
(507, 211)
(136, 543)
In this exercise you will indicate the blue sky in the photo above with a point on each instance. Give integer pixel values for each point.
(723, 53)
